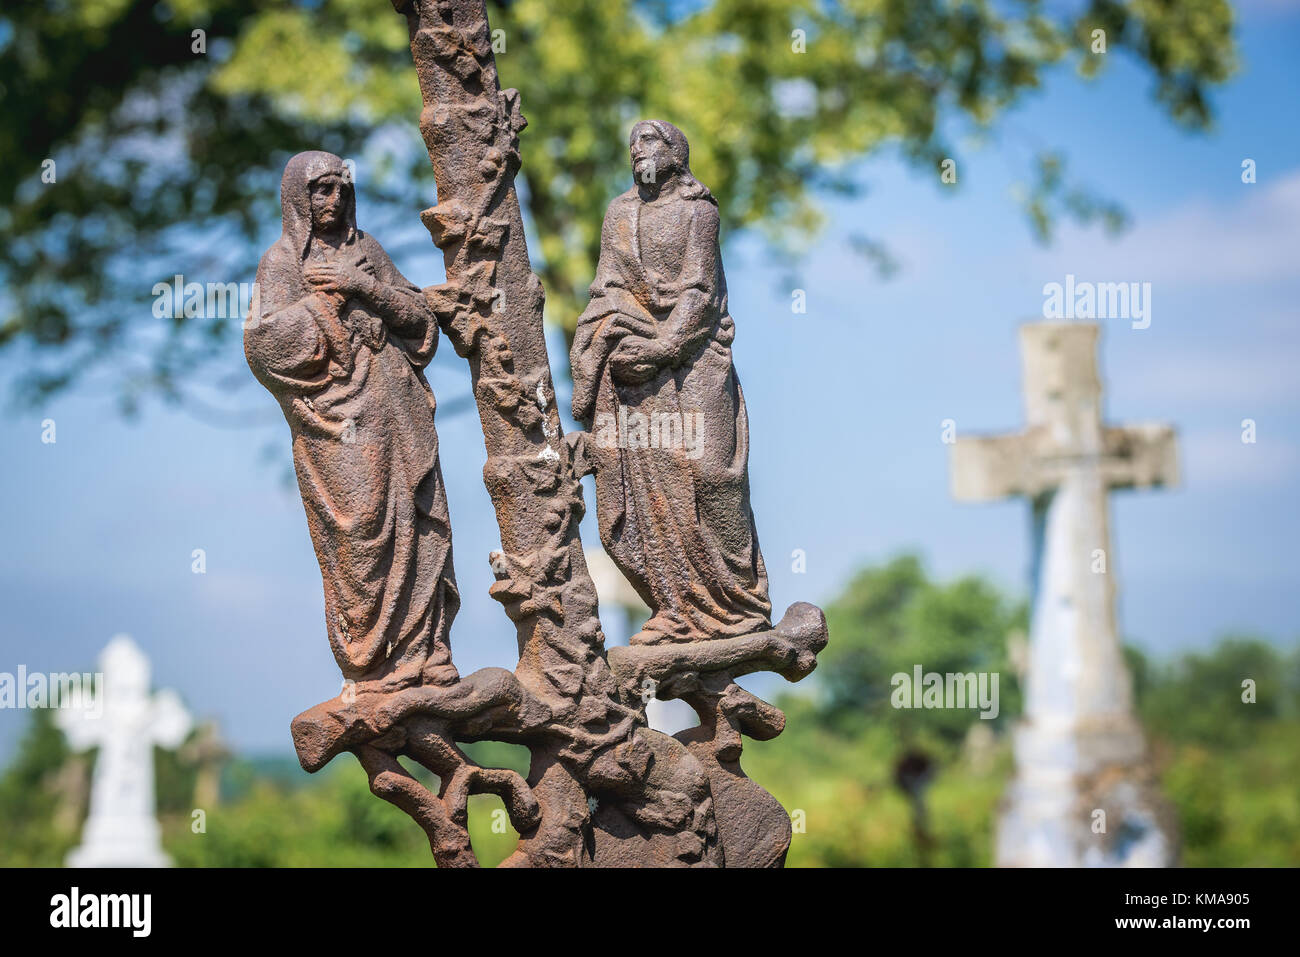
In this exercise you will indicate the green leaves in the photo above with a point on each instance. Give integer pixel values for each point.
(168, 160)
(892, 618)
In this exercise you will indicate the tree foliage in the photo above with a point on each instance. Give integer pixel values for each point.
(1229, 766)
(166, 160)
(892, 618)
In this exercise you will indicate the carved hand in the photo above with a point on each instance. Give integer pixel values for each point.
(334, 299)
(621, 325)
(341, 277)
(636, 358)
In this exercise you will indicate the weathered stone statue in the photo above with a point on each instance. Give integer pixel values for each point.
(654, 382)
(340, 340)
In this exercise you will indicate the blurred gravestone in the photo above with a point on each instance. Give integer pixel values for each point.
(124, 722)
(1083, 792)
(207, 752)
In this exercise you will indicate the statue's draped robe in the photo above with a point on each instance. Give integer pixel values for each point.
(364, 447)
(679, 527)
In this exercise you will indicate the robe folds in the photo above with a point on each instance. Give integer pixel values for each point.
(364, 445)
(674, 515)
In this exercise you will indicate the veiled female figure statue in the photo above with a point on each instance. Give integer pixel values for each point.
(652, 358)
(341, 339)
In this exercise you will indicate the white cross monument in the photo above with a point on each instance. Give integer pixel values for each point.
(1082, 793)
(121, 830)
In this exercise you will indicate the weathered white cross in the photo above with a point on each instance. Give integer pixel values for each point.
(121, 830)
(1078, 699)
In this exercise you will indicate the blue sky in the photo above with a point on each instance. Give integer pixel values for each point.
(845, 407)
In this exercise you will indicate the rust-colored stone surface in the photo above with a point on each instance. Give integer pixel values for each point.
(340, 339)
(654, 384)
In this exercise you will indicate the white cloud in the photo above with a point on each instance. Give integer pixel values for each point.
(1254, 239)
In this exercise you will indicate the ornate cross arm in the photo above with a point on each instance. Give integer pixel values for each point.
(1035, 461)
(790, 649)
(489, 700)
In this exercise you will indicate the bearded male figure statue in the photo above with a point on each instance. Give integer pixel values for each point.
(340, 339)
(655, 387)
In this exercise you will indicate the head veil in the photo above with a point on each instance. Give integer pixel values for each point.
(295, 198)
(691, 188)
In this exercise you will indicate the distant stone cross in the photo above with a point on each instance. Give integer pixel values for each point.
(124, 723)
(1079, 750)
